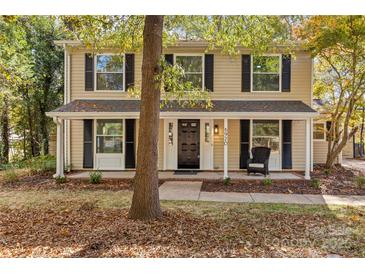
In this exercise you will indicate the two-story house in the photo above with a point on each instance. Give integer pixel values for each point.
(257, 101)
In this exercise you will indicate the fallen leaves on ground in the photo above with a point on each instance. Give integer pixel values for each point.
(186, 230)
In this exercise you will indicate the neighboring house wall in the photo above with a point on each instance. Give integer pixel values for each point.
(348, 151)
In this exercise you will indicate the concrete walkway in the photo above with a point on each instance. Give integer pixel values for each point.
(354, 164)
(203, 175)
(184, 190)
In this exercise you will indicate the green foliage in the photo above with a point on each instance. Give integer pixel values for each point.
(41, 164)
(227, 181)
(315, 183)
(95, 177)
(60, 179)
(360, 181)
(327, 171)
(31, 74)
(10, 176)
(267, 182)
(338, 44)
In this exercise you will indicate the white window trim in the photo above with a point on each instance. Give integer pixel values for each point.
(95, 73)
(324, 132)
(96, 135)
(203, 64)
(280, 76)
(280, 138)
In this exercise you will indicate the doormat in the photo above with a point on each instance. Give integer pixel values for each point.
(185, 172)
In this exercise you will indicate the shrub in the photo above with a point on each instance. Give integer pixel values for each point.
(327, 171)
(95, 177)
(316, 183)
(60, 179)
(360, 180)
(267, 182)
(41, 164)
(10, 176)
(226, 181)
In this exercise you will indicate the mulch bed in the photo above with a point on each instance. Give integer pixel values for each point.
(339, 181)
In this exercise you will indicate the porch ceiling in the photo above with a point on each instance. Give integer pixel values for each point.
(221, 108)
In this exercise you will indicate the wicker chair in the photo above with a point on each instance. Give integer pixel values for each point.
(259, 163)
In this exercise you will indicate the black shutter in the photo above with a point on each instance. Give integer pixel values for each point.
(244, 143)
(328, 127)
(246, 73)
(209, 71)
(287, 144)
(88, 144)
(169, 58)
(89, 72)
(286, 73)
(129, 71)
(130, 160)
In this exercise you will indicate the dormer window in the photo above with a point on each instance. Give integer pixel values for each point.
(109, 72)
(266, 74)
(193, 68)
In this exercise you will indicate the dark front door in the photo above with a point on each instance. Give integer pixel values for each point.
(188, 143)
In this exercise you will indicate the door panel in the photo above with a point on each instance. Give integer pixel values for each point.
(189, 144)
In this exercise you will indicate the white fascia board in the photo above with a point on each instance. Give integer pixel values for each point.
(67, 42)
(188, 115)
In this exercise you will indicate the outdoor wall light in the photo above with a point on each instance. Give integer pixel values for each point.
(216, 129)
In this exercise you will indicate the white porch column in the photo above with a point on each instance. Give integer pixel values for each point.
(60, 152)
(307, 149)
(225, 147)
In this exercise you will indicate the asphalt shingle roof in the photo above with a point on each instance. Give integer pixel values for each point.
(218, 106)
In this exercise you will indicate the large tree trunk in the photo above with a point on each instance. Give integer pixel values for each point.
(145, 202)
(4, 159)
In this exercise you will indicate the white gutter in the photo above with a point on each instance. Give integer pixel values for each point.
(188, 115)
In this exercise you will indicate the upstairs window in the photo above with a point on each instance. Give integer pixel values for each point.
(109, 72)
(266, 73)
(193, 68)
(319, 133)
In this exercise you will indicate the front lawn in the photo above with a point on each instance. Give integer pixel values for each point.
(94, 223)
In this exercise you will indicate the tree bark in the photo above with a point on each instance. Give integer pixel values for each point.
(145, 202)
(5, 148)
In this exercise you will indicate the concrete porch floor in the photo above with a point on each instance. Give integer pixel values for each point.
(203, 175)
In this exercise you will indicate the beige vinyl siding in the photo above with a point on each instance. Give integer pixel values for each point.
(77, 146)
(233, 144)
(78, 79)
(218, 146)
(227, 78)
(298, 145)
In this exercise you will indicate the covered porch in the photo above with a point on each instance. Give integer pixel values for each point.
(232, 119)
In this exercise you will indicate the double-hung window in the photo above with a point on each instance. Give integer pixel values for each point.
(109, 136)
(266, 134)
(319, 133)
(193, 69)
(109, 72)
(266, 74)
